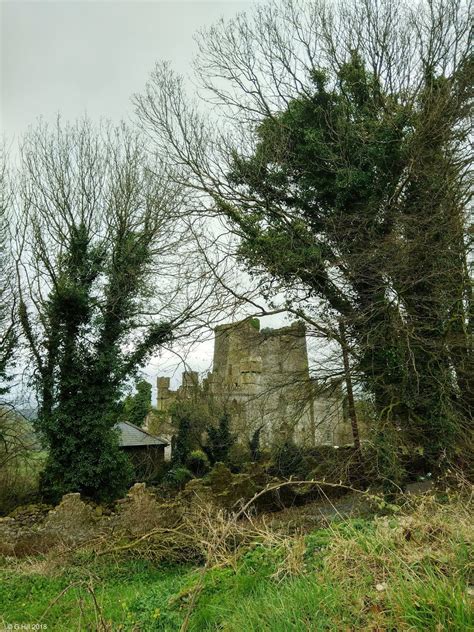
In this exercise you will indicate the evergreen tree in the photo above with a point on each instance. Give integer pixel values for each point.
(181, 445)
(137, 406)
(219, 440)
(254, 444)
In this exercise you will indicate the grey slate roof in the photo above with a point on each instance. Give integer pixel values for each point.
(131, 435)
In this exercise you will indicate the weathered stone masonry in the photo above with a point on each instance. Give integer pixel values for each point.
(261, 377)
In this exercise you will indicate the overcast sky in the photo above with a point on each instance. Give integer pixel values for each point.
(91, 56)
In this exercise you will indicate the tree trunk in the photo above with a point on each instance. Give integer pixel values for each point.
(350, 393)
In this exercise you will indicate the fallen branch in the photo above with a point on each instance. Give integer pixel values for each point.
(198, 587)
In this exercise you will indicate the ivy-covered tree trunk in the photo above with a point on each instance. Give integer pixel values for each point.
(347, 186)
(96, 226)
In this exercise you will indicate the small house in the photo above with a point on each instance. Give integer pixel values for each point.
(145, 451)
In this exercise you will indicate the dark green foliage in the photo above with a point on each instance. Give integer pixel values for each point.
(288, 461)
(99, 470)
(190, 418)
(181, 444)
(81, 385)
(219, 440)
(197, 462)
(137, 406)
(177, 477)
(93, 251)
(327, 171)
(348, 184)
(254, 444)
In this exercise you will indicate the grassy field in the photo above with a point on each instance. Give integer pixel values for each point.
(408, 571)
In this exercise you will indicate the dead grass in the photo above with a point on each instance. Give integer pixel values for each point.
(407, 570)
(423, 531)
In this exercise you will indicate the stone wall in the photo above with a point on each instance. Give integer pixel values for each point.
(261, 377)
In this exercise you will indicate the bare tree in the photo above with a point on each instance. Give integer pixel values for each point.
(7, 298)
(107, 276)
(336, 149)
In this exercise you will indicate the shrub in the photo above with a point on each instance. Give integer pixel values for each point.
(238, 457)
(197, 462)
(220, 440)
(288, 460)
(178, 477)
(191, 419)
(254, 445)
(180, 443)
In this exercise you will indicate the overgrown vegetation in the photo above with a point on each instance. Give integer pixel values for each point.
(407, 570)
(21, 461)
(331, 181)
(339, 206)
(187, 420)
(338, 153)
(220, 440)
(200, 431)
(94, 229)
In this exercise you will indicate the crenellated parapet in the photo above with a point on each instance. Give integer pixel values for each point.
(261, 376)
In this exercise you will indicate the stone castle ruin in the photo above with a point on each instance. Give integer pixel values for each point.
(261, 378)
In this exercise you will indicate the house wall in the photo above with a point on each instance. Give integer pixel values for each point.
(147, 461)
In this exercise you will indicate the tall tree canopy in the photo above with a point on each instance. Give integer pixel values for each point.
(136, 407)
(103, 282)
(338, 153)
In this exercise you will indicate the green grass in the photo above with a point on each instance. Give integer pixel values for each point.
(398, 574)
(24, 598)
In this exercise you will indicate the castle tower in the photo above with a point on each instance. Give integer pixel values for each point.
(164, 396)
(261, 377)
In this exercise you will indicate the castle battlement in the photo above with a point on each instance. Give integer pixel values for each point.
(261, 377)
